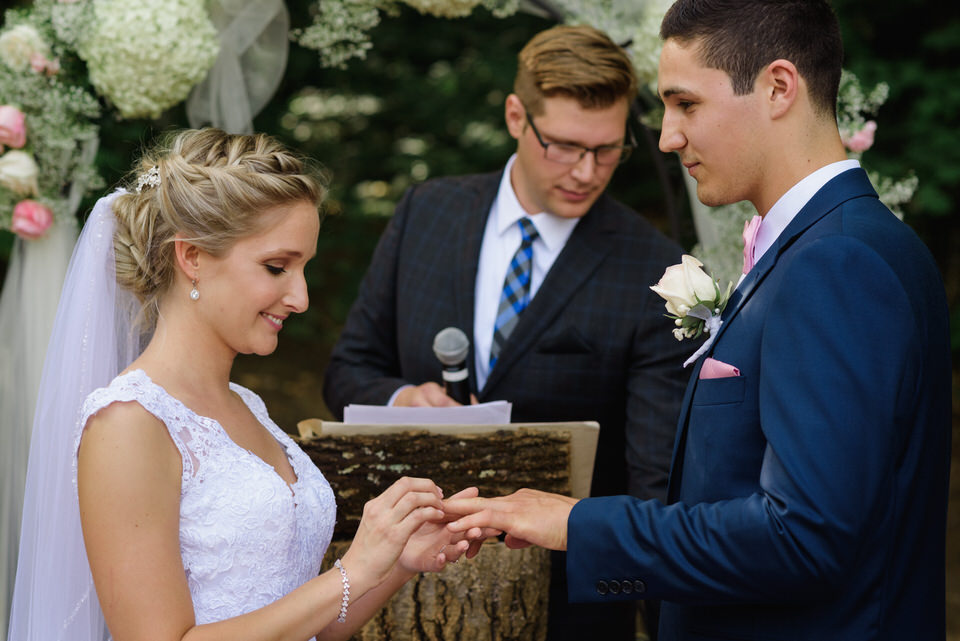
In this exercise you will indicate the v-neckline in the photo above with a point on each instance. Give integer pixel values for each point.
(216, 424)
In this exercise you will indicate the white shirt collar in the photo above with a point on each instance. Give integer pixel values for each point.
(790, 204)
(554, 230)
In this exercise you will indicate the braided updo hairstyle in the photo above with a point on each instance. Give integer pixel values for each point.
(213, 189)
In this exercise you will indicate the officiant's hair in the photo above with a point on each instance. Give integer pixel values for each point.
(577, 62)
(741, 37)
(212, 188)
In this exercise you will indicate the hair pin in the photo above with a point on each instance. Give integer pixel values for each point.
(150, 178)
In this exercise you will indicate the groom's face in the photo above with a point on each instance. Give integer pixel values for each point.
(719, 136)
(542, 184)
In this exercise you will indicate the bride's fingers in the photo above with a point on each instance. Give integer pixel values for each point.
(412, 501)
(404, 486)
(466, 493)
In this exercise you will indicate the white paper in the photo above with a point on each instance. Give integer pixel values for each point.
(493, 413)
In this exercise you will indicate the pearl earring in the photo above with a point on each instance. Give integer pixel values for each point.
(194, 293)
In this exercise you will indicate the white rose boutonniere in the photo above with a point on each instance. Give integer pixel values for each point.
(693, 300)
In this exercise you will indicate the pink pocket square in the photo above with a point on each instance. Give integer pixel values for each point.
(712, 368)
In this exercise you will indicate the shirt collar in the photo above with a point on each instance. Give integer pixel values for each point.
(790, 204)
(554, 230)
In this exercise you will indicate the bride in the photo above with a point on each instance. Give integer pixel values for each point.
(200, 518)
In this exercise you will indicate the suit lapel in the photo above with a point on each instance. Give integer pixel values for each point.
(580, 257)
(467, 258)
(850, 184)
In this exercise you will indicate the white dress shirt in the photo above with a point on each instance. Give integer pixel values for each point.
(501, 239)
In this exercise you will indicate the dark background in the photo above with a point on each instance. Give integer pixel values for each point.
(428, 101)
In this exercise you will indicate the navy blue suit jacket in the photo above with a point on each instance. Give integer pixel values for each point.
(808, 495)
(592, 345)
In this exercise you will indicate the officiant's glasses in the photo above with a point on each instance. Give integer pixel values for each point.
(570, 154)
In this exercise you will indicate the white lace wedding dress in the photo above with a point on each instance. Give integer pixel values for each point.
(246, 537)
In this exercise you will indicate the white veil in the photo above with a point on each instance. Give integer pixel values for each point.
(93, 339)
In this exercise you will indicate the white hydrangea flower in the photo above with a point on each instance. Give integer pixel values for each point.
(145, 57)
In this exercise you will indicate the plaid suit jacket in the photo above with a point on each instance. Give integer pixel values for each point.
(593, 344)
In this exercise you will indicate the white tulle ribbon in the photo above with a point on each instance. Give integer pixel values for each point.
(254, 43)
(712, 323)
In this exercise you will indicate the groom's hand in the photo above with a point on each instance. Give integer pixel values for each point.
(529, 517)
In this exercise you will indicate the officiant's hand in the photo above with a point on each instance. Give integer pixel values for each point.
(426, 395)
(529, 517)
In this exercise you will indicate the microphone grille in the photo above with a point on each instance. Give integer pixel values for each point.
(451, 346)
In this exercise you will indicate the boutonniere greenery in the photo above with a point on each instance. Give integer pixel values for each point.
(693, 300)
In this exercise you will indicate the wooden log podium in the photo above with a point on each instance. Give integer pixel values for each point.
(501, 594)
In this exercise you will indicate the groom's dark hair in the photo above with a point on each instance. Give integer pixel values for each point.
(741, 37)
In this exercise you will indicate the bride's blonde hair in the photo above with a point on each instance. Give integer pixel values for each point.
(210, 186)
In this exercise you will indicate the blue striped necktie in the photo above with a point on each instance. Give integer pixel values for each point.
(516, 289)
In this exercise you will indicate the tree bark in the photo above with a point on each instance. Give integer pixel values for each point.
(499, 595)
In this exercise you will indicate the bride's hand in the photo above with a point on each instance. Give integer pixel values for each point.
(387, 524)
(433, 545)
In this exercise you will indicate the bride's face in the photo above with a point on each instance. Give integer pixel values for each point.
(249, 292)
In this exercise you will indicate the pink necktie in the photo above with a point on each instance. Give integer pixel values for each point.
(750, 229)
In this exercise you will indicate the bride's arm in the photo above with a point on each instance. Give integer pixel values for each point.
(129, 486)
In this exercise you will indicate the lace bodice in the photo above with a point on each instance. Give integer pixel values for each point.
(246, 537)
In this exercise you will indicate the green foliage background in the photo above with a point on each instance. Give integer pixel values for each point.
(428, 101)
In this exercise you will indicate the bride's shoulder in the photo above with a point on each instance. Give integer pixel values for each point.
(128, 386)
(127, 418)
(130, 398)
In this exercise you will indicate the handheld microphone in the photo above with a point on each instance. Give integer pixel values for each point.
(451, 346)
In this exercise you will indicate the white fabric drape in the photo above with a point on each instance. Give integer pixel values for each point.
(27, 307)
(254, 42)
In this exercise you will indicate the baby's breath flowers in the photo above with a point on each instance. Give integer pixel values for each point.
(50, 121)
(340, 30)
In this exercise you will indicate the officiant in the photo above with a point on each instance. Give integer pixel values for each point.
(549, 277)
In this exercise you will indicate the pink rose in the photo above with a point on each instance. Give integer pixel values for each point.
(31, 219)
(13, 127)
(41, 64)
(861, 140)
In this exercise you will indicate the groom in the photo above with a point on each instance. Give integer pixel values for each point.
(808, 489)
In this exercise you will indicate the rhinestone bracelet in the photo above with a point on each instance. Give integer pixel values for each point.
(342, 617)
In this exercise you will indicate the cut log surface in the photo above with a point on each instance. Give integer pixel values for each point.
(360, 467)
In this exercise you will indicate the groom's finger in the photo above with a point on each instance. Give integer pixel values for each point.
(478, 513)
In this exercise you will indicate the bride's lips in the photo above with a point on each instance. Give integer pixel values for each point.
(275, 322)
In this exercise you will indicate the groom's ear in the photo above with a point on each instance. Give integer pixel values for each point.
(781, 85)
(187, 256)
